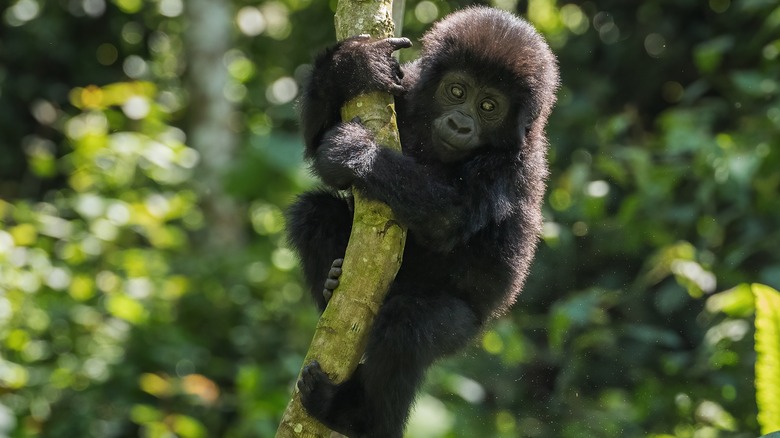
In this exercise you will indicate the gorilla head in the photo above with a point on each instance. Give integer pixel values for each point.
(492, 80)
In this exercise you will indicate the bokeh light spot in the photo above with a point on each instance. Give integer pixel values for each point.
(250, 21)
(107, 54)
(23, 11)
(283, 90)
(426, 12)
(574, 19)
(171, 8)
(672, 91)
(134, 66)
(136, 107)
(94, 8)
(655, 45)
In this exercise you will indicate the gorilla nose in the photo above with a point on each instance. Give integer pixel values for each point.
(459, 124)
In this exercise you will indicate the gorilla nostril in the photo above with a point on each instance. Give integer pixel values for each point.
(457, 128)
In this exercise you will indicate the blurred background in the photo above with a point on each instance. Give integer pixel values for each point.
(149, 147)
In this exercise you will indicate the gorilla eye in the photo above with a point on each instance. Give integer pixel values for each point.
(487, 105)
(457, 91)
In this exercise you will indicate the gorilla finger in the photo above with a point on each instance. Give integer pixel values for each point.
(397, 90)
(304, 384)
(327, 294)
(391, 83)
(331, 284)
(313, 369)
(334, 272)
(339, 262)
(398, 43)
(308, 369)
(398, 71)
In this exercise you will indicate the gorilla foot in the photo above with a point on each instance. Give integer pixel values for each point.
(332, 282)
(317, 390)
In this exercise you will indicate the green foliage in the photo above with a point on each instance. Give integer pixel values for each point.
(768, 357)
(82, 267)
(117, 320)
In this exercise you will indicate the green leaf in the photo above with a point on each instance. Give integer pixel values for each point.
(126, 308)
(188, 427)
(708, 55)
(767, 357)
(737, 302)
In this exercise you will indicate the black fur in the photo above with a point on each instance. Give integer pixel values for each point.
(473, 222)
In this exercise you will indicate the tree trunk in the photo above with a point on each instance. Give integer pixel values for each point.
(207, 39)
(376, 244)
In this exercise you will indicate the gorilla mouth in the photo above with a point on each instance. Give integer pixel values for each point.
(448, 146)
(448, 151)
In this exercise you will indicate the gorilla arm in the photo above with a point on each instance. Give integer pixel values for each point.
(442, 211)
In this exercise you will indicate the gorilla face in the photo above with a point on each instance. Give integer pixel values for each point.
(467, 113)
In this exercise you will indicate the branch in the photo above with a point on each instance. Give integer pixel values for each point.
(376, 244)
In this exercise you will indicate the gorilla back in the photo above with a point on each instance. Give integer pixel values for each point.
(468, 185)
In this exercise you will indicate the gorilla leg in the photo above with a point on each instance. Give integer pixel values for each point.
(319, 224)
(410, 332)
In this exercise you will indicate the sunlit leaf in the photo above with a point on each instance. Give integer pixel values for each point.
(714, 414)
(175, 286)
(202, 387)
(737, 302)
(544, 15)
(188, 427)
(767, 357)
(129, 6)
(24, 234)
(17, 339)
(143, 414)
(13, 376)
(156, 385)
(43, 165)
(126, 308)
(492, 342)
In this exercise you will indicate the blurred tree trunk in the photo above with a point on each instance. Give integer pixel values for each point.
(207, 38)
(376, 244)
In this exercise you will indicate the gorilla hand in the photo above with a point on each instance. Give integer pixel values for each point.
(347, 152)
(362, 64)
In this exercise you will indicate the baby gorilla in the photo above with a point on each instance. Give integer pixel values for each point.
(468, 185)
